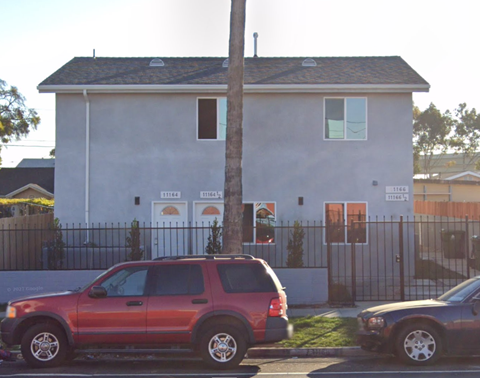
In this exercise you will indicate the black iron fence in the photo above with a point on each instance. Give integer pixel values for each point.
(382, 259)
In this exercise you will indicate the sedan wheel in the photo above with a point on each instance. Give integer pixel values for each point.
(419, 345)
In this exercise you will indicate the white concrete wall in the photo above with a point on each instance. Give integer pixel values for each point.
(303, 285)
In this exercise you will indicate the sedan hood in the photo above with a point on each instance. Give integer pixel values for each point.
(380, 310)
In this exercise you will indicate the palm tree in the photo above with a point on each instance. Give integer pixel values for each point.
(232, 218)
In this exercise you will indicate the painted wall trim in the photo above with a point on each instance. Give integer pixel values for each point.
(248, 88)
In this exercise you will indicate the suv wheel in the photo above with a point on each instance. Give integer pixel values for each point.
(44, 345)
(223, 347)
(418, 344)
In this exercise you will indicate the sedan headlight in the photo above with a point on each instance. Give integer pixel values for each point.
(375, 322)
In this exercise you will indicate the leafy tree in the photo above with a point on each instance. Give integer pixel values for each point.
(431, 131)
(467, 134)
(55, 246)
(214, 245)
(232, 218)
(16, 119)
(133, 242)
(52, 153)
(295, 246)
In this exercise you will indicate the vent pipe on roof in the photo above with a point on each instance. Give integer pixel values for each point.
(156, 62)
(94, 54)
(255, 37)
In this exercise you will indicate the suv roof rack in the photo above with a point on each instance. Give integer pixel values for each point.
(206, 257)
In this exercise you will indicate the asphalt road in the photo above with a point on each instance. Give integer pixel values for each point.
(377, 367)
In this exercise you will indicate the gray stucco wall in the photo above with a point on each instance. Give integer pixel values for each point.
(142, 144)
(303, 285)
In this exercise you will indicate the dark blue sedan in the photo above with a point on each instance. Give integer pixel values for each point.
(420, 332)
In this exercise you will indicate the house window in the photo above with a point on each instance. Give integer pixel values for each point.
(346, 118)
(212, 118)
(259, 222)
(346, 221)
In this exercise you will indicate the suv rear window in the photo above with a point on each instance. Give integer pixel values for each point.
(245, 278)
(182, 279)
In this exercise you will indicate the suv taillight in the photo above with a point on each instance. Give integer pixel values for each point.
(276, 308)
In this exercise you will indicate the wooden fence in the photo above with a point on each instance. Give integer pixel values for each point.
(28, 237)
(449, 209)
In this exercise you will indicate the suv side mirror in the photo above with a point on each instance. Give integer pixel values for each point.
(97, 292)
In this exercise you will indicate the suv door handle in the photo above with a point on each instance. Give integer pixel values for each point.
(135, 303)
(199, 301)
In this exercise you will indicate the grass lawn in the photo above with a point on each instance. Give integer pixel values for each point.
(320, 332)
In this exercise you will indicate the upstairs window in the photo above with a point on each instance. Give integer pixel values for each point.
(346, 118)
(212, 118)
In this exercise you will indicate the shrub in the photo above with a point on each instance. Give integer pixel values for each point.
(55, 246)
(295, 246)
(133, 242)
(214, 245)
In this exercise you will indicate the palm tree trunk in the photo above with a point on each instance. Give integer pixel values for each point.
(232, 218)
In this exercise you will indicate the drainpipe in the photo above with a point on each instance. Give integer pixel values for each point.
(87, 161)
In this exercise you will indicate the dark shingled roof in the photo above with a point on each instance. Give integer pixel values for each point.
(204, 71)
(12, 179)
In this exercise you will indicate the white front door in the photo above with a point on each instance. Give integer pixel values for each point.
(205, 215)
(170, 234)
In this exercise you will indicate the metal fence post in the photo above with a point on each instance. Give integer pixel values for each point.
(400, 252)
(354, 265)
(467, 249)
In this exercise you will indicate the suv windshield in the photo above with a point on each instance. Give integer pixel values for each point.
(461, 292)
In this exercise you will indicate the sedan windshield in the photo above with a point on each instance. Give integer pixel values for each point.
(462, 291)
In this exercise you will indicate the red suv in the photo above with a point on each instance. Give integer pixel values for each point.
(218, 305)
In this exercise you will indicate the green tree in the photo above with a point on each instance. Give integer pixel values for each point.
(232, 218)
(295, 246)
(16, 120)
(466, 139)
(133, 242)
(431, 131)
(214, 245)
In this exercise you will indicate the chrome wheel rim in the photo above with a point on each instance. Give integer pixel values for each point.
(419, 345)
(44, 346)
(222, 347)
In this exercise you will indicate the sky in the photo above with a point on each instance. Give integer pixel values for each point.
(438, 38)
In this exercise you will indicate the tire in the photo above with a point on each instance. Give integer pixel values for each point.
(418, 344)
(222, 347)
(44, 345)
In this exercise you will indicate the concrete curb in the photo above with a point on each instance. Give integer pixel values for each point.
(307, 352)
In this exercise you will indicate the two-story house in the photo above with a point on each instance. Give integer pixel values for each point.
(324, 139)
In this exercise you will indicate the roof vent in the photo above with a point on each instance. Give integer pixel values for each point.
(225, 63)
(309, 62)
(157, 62)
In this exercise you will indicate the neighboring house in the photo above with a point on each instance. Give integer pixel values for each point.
(464, 176)
(36, 163)
(145, 138)
(459, 188)
(445, 165)
(27, 182)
